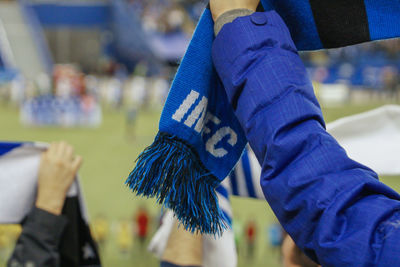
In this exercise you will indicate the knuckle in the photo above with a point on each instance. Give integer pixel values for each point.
(60, 162)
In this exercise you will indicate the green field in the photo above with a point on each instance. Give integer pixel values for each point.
(108, 158)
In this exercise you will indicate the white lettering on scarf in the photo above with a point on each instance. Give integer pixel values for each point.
(200, 109)
(185, 106)
(217, 137)
(203, 117)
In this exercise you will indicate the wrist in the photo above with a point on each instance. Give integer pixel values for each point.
(219, 7)
(53, 208)
(51, 203)
(229, 16)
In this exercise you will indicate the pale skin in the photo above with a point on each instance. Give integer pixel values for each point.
(184, 248)
(292, 255)
(58, 168)
(219, 7)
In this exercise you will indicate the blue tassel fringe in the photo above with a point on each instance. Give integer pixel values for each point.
(171, 171)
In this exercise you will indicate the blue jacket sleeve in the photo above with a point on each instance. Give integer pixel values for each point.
(334, 208)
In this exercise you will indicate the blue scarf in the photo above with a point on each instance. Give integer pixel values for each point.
(200, 140)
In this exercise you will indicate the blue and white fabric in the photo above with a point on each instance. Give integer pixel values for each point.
(19, 165)
(377, 144)
(200, 140)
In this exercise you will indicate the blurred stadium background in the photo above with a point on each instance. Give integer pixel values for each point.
(96, 74)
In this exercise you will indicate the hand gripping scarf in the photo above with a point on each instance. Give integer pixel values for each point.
(200, 139)
(19, 165)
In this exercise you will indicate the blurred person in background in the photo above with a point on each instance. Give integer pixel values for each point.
(42, 230)
(124, 237)
(390, 77)
(274, 236)
(101, 230)
(238, 232)
(251, 238)
(8, 236)
(131, 116)
(142, 222)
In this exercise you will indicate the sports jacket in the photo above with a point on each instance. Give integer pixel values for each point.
(334, 208)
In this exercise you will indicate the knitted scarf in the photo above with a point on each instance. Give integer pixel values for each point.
(200, 140)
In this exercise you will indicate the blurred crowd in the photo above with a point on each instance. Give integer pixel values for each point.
(134, 234)
(72, 98)
(369, 66)
(127, 232)
(168, 16)
(372, 67)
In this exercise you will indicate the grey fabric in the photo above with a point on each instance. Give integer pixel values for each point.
(39, 240)
(230, 16)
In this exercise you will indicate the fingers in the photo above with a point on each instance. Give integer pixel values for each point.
(68, 152)
(76, 164)
(65, 152)
(52, 150)
(57, 172)
(61, 150)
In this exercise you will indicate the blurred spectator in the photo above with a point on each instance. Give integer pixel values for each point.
(238, 232)
(100, 230)
(131, 115)
(8, 236)
(251, 236)
(364, 65)
(142, 220)
(275, 235)
(166, 16)
(38, 244)
(124, 237)
(69, 103)
(390, 77)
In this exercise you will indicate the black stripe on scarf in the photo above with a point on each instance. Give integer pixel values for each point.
(260, 8)
(341, 22)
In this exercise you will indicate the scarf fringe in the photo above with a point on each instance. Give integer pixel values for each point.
(171, 171)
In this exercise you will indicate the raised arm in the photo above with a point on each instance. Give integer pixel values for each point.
(43, 228)
(334, 208)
